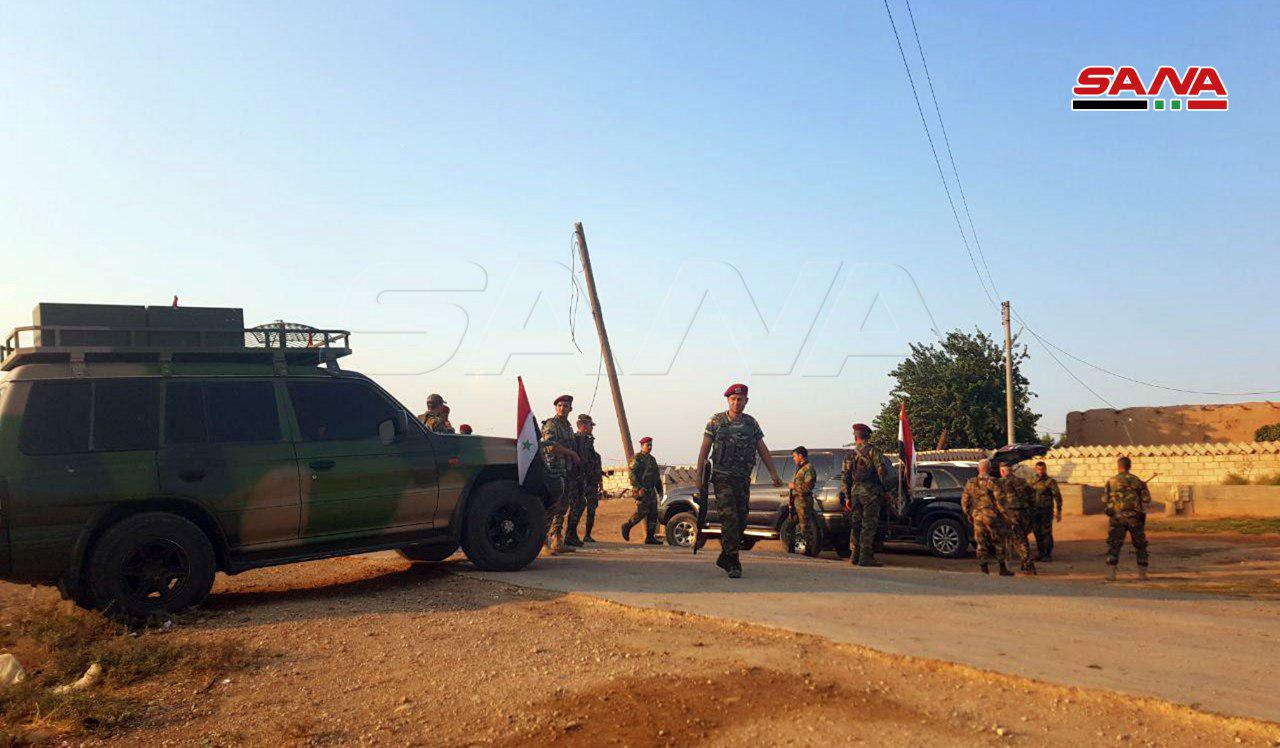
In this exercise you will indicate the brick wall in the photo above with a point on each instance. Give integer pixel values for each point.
(1176, 464)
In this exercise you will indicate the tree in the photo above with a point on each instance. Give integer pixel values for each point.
(957, 385)
(1268, 433)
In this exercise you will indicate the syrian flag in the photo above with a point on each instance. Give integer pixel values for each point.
(906, 444)
(528, 455)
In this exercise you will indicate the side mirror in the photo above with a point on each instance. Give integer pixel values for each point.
(387, 432)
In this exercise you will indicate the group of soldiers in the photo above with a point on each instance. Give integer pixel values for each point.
(1005, 510)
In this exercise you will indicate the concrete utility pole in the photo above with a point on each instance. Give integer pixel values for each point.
(1008, 368)
(605, 349)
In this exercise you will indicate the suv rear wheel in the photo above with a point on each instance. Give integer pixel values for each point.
(946, 538)
(681, 530)
(151, 564)
(505, 527)
(428, 554)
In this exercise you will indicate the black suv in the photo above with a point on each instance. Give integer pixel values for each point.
(931, 517)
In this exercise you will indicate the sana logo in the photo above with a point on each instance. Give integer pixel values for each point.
(1101, 87)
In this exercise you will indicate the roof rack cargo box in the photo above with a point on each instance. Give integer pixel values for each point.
(121, 317)
(169, 321)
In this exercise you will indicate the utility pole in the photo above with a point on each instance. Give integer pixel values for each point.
(605, 349)
(1008, 368)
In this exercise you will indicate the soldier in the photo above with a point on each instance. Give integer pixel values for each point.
(437, 416)
(802, 496)
(558, 455)
(646, 481)
(1126, 499)
(864, 478)
(733, 440)
(1048, 501)
(590, 476)
(981, 502)
(1016, 505)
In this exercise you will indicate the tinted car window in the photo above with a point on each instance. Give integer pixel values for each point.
(339, 411)
(184, 417)
(126, 414)
(56, 418)
(943, 479)
(240, 412)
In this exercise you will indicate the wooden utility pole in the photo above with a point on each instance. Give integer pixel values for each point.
(1008, 369)
(605, 349)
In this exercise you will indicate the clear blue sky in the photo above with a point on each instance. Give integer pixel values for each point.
(298, 160)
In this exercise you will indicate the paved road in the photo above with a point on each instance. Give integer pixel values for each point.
(1217, 654)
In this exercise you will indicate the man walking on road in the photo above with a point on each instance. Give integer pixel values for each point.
(1016, 506)
(1126, 498)
(981, 501)
(733, 440)
(558, 455)
(590, 477)
(646, 481)
(863, 482)
(1047, 501)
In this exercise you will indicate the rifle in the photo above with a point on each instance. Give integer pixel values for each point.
(703, 497)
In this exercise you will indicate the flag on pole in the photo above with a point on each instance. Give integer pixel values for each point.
(906, 445)
(527, 436)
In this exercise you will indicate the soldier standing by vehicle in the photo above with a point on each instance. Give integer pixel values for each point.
(646, 481)
(802, 505)
(590, 476)
(1047, 499)
(981, 502)
(733, 440)
(437, 416)
(1126, 498)
(863, 482)
(558, 455)
(1016, 504)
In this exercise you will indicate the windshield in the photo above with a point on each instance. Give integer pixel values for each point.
(824, 463)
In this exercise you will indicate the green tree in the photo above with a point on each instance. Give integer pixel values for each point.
(1268, 433)
(957, 385)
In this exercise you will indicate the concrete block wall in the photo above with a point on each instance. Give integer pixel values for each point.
(1172, 464)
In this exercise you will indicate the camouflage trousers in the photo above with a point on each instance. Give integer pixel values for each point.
(733, 496)
(1042, 528)
(562, 489)
(646, 512)
(806, 517)
(864, 521)
(1017, 527)
(988, 536)
(588, 499)
(1135, 526)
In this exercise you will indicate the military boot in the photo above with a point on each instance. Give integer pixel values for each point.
(986, 568)
(1111, 572)
(1142, 573)
(735, 572)
(1030, 569)
(586, 534)
(571, 538)
(1004, 570)
(626, 531)
(723, 561)
(870, 562)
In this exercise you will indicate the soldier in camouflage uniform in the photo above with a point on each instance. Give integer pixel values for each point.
(864, 478)
(1126, 498)
(1017, 506)
(437, 416)
(802, 504)
(590, 478)
(646, 482)
(1047, 498)
(981, 502)
(733, 440)
(558, 455)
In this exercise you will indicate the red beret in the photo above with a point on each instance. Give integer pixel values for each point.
(736, 389)
(646, 440)
(562, 398)
(862, 428)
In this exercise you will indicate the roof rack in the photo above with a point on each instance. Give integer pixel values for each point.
(280, 343)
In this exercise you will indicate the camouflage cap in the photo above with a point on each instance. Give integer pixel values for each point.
(434, 398)
(584, 418)
(736, 389)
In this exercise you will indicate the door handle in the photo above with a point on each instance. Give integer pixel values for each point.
(323, 464)
(192, 476)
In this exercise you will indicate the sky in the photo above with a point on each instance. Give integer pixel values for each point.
(758, 195)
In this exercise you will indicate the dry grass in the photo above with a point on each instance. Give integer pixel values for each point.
(1239, 525)
(56, 643)
(1268, 479)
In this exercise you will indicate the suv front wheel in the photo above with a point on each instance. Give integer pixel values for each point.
(947, 538)
(151, 564)
(505, 527)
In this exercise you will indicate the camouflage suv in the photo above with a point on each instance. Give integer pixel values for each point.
(135, 467)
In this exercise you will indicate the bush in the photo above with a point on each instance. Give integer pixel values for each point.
(1268, 433)
(1235, 479)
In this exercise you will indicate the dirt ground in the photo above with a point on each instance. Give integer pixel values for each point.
(375, 651)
